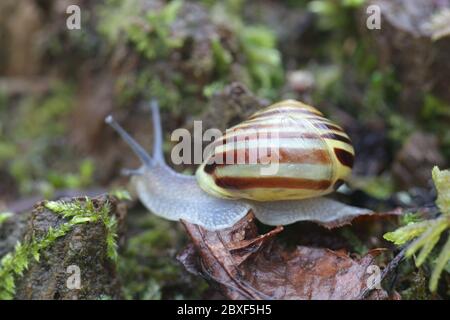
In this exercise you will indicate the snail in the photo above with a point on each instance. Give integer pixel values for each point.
(313, 157)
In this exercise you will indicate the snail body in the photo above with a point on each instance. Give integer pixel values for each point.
(313, 156)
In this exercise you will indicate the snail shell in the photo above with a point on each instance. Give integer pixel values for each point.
(313, 156)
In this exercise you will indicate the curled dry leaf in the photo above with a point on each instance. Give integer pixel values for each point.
(246, 265)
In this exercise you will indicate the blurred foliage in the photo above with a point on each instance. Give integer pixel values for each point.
(263, 71)
(146, 265)
(4, 216)
(429, 232)
(149, 32)
(151, 36)
(121, 194)
(436, 117)
(32, 142)
(356, 244)
(416, 283)
(380, 187)
(154, 34)
(334, 14)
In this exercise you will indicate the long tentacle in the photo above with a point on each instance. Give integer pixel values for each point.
(136, 147)
(158, 155)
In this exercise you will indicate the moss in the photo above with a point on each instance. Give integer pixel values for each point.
(410, 217)
(30, 143)
(15, 263)
(380, 187)
(261, 68)
(222, 57)
(115, 16)
(427, 233)
(4, 216)
(147, 265)
(356, 244)
(435, 115)
(151, 37)
(263, 59)
(121, 194)
(417, 285)
(81, 179)
(201, 65)
(83, 212)
(400, 128)
(333, 15)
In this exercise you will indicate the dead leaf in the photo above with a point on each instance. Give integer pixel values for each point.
(246, 265)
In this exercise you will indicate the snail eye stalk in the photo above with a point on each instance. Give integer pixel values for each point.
(157, 132)
(136, 147)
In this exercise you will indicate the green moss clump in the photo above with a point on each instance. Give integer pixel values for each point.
(427, 233)
(15, 263)
(85, 211)
(4, 216)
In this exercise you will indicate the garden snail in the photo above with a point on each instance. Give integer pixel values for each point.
(313, 156)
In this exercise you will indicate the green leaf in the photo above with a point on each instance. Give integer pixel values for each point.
(441, 261)
(434, 229)
(80, 220)
(441, 179)
(407, 233)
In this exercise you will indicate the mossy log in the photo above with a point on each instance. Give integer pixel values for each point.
(77, 263)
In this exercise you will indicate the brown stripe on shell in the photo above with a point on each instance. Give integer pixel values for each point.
(271, 182)
(344, 157)
(294, 156)
(338, 137)
(321, 119)
(325, 126)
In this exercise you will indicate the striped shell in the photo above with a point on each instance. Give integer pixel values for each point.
(312, 156)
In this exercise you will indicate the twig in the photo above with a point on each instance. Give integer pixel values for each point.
(393, 264)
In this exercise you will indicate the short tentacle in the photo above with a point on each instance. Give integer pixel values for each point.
(158, 155)
(132, 172)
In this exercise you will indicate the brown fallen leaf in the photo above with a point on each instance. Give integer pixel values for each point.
(246, 265)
